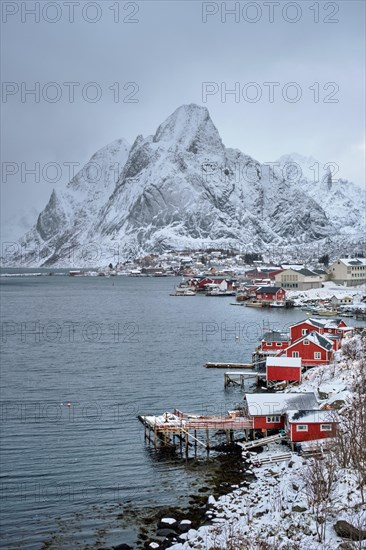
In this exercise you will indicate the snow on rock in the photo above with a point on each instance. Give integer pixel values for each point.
(274, 509)
(180, 188)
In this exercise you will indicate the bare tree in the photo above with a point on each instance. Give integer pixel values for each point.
(319, 478)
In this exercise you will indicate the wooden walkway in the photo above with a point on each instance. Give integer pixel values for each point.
(228, 365)
(237, 378)
(163, 429)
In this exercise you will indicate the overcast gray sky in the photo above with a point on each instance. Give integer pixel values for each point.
(162, 52)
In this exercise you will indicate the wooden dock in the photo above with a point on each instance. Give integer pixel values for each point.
(228, 365)
(164, 429)
(238, 378)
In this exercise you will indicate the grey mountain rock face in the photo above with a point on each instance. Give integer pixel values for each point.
(182, 188)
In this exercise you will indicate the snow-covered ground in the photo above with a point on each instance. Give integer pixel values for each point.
(328, 290)
(274, 512)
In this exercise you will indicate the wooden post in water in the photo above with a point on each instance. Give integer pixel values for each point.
(187, 443)
(207, 440)
(155, 434)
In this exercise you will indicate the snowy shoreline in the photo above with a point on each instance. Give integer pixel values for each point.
(273, 512)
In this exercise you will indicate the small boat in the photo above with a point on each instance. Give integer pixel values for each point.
(253, 304)
(326, 313)
(219, 292)
(345, 314)
(277, 303)
(184, 291)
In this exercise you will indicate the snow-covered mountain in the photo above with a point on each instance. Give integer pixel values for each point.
(343, 202)
(180, 188)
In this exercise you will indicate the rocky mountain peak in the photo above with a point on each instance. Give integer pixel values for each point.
(181, 188)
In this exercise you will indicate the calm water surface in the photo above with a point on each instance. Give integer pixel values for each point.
(81, 358)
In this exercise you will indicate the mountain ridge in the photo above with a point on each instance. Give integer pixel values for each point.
(180, 188)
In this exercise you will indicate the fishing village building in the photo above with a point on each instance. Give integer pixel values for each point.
(300, 279)
(310, 425)
(286, 369)
(349, 271)
(269, 294)
(314, 349)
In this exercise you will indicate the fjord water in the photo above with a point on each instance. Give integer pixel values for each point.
(81, 358)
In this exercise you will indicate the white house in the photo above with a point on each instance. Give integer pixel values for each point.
(349, 271)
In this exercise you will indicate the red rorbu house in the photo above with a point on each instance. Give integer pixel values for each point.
(283, 368)
(267, 411)
(217, 280)
(310, 425)
(263, 273)
(270, 294)
(274, 341)
(335, 327)
(313, 348)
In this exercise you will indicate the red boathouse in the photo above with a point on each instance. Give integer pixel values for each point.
(283, 368)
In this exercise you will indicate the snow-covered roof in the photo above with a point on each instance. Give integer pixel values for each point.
(349, 262)
(263, 404)
(311, 416)
(292, 266)
(322, 323)
(283, 362)
(307, 272)
(276, 336)
(269, 289)
(316, 338)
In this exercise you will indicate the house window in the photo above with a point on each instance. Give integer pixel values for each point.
(274, 419)
(302, 428)
(278, 344)
(295, 354)
(304, 331)
(317, 355)
(325, 427)
(306, 342)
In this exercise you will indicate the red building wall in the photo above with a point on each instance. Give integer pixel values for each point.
(280, 295)
(260, 422)
(274, 346)
(313, 432)
(306, 352)
(296, 331)
(292, 374)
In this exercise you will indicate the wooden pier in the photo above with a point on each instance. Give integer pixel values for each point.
(238, 378)
(228, 365)
(163, 430)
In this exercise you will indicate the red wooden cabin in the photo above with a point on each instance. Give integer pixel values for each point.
(267, 411)
(283, 368)
(304, 425)
(313, 348)
(273, 341)
(270, 294)
(323, 326)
